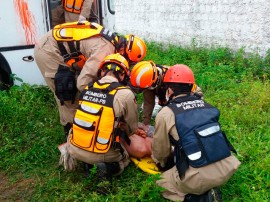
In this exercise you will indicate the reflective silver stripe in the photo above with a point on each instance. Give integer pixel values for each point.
(138, 79)
(63, 32)
(102, 140)
(82, 122)
(209, 131)
(77, 8)
(141, 47)
(89, 109)
(195, 156)
(69, 5)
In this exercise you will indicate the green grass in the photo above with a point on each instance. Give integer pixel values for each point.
(237, 83)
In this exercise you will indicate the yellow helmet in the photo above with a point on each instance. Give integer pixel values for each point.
(115, 62)
(145, 74)
(135, 48)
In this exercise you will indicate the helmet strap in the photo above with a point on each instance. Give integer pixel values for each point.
(106, 72)
(122, 43)
(115, 72)
(130, 42)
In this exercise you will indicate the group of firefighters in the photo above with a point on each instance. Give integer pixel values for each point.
(95, 75)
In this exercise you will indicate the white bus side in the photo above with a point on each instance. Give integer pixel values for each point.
(23, 23)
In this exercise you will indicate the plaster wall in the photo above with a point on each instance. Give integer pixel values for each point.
(231, 23)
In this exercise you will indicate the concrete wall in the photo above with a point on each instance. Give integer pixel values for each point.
(231, 23)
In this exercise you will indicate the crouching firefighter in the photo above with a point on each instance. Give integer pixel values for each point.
(202, 154)
(107, 112)
(69, 55)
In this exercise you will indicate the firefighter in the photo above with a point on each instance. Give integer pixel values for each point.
(146, 77)
(71, 11)
(69, 56)
(202, 153)
(107, 113)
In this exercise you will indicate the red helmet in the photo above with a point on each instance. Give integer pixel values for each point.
(179, 73)
(135, 48)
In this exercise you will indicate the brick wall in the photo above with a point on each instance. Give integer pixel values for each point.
(230, 23)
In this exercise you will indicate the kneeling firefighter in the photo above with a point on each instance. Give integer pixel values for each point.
(104, 108)
(69, 55)
(202, 153)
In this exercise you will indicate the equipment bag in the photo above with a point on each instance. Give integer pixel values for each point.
(65, 84)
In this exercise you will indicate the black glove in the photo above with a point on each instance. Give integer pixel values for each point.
(169, 164)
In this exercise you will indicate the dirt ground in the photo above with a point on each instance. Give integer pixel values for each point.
(17, 190)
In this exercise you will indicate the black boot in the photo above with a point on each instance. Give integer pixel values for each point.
(104, 183)
(86, 168)
(67, 127)
(213, 195)
(105, 171)
(113, 168)
(194, 198)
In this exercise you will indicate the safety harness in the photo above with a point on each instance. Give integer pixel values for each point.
(73, 6)
(201, 140)
(72, 33)
(95, 127)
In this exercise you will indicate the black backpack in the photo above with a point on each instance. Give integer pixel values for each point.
(65, 84)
